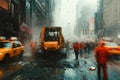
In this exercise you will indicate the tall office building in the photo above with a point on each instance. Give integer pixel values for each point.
(111, 17)
(99, 30)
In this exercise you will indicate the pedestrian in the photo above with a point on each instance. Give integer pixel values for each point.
(33, 46)
(81, 48)
(101, 56)
(76, 50)
(67, 46)
(88, 46)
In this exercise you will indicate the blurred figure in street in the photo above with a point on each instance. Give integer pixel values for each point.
(67, 46)
(88, 47)
(76, 50)
(101, 56)
(81, 48)
(33, 46)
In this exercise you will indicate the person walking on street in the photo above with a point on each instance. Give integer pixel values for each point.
(67, 46)
(76, 50)
(101, 56)
(81, 48)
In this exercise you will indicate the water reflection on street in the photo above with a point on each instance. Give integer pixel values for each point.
(52, 67)
(7, 69)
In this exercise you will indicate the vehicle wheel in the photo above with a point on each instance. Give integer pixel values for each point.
(21, 54)
(6, 58)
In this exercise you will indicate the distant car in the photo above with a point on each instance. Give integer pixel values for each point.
(113, 48)
(10, 48)
(107, 39)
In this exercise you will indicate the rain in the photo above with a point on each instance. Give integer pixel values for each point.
(59, 39)
(68, 12)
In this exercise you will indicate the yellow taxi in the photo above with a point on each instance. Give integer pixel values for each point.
(10, 48)
(112, 47)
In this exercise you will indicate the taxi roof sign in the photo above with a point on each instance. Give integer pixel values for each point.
(13, 38)
(2, 38)
(107, 39)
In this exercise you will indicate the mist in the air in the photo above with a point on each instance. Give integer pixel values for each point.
(67, 12)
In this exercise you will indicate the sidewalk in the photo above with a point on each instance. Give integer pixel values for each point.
(81, 67)
(83, 72)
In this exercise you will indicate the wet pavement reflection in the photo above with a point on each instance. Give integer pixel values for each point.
(9, 68)
(52, 67)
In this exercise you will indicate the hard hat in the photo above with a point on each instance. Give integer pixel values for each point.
(102, 43)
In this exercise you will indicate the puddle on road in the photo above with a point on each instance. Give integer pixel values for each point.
(9, 68)
(36, 73)
(46, 68)
(69, 72)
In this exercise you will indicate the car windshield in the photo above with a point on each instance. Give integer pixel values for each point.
(111, 44)
(51, 35)
(5, 44)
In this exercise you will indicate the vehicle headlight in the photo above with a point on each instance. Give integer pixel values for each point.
(1, 53)
(45, 47)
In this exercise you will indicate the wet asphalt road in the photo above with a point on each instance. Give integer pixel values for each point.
(55, 67)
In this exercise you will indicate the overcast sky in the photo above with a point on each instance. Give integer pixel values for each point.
(91, 3)
(65, 13)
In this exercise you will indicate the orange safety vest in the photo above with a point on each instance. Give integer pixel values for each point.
(76, 46)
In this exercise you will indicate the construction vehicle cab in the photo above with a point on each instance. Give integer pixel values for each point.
(51, 39)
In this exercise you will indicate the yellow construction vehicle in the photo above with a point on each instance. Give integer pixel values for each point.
(51, 39)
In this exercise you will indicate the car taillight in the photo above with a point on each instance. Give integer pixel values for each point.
(118, 48)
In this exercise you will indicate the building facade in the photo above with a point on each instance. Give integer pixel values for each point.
(111, 18)
(38, 12)
(99, 30)
(8, 23)
(17, 16)
(82, 20)
(12, 16)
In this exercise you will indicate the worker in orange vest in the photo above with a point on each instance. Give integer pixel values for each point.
(101, 55)
(76, 50)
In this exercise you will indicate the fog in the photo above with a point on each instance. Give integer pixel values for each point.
(66, 14)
